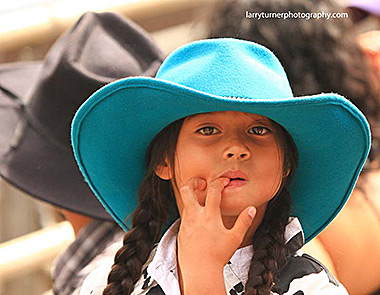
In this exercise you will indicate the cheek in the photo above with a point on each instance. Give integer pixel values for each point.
(270, 164)
(192, 161)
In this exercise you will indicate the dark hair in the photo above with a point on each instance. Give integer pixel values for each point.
(318, 55)
(156, 196)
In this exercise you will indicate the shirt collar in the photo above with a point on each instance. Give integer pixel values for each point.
(163, 266)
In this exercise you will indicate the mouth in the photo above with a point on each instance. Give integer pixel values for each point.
(237, 178)
(236, 182)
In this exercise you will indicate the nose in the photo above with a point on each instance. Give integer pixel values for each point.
(236, 150)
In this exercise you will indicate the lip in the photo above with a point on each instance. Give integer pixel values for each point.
(237, 178)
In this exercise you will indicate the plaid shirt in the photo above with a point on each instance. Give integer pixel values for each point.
(95, 241)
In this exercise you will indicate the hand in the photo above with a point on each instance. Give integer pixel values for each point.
(204, 243)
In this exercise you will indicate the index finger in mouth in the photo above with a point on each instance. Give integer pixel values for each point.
(214, 194)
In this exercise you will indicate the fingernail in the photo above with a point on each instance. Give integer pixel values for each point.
(226, 181)
(201, 184)
(252, 212)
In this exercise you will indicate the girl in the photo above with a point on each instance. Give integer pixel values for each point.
(221, 135)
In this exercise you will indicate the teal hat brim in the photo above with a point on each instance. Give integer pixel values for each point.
(113, 128)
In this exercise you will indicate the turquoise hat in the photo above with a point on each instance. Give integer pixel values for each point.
(113, 128)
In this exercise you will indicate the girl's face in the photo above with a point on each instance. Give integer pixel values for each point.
(236, 145)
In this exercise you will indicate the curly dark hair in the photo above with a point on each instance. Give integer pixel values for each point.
(318, 55)
(156, 196)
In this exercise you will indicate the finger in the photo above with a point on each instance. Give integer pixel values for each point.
(244, 221)
(202, 184)
(187, 191)
(214, 195)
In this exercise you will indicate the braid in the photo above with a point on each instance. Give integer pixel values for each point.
(269, 246)
(156, 199)
(147, 223)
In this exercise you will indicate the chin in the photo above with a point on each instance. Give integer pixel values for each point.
(231, 212)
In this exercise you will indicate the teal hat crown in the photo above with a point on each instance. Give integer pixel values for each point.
(113, 128)
(227, 69)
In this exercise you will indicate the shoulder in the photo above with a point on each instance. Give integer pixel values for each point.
(95, 282)
(96, 272)
(305, 275)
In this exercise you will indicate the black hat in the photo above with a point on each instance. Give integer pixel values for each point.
(35, 148)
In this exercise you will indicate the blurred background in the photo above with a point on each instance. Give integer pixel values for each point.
(32, 233)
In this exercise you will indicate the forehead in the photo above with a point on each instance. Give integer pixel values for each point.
(235, 114)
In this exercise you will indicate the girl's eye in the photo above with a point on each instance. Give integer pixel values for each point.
(259, 130)
(208, 130)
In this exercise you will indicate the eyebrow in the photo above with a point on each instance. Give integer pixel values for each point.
(260, 120)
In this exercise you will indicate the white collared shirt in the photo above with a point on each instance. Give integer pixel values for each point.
(302, 273)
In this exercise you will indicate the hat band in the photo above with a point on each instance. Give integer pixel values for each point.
(12, 96)
(28, 120)
(42, 131)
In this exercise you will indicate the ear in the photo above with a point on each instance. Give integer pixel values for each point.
(164, 171)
